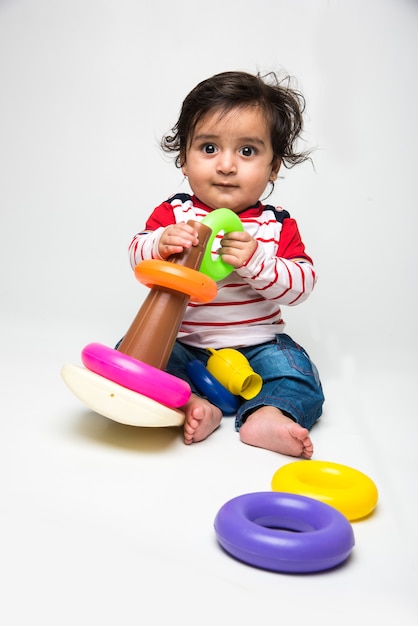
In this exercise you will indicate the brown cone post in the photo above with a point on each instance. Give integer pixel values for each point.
(152, 334)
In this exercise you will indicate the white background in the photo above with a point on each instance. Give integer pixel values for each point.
(107, 524)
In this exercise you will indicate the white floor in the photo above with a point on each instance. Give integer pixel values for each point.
(109, 524)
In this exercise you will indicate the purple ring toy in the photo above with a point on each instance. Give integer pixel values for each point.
(284, 532)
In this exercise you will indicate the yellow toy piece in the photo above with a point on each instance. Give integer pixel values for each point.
(233, 371)
(351, 492)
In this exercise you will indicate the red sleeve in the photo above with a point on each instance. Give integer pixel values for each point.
(162, 215)
(291, 245)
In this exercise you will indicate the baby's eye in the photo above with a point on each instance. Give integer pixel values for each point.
(247, 151)
(209, 148)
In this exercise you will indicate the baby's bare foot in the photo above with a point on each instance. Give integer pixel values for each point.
(202, 418)
(269, 428)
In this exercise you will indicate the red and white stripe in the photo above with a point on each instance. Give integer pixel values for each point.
(247, 308)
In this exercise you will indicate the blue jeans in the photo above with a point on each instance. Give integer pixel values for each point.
(290, 379)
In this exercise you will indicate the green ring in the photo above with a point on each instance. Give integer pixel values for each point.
(220, 219)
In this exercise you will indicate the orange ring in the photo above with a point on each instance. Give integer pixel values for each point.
(198, 286)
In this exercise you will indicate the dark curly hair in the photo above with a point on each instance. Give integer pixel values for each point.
(283, 107)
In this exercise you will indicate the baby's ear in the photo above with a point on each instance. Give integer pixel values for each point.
(182, 158)
(275, 167)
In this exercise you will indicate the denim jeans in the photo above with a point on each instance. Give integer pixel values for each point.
(290, 379)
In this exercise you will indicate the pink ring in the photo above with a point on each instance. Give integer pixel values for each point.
(136, 375)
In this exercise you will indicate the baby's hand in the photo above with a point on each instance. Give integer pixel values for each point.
(175, 238)
(237, 248)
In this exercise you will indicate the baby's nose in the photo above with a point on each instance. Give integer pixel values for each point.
(226, 163)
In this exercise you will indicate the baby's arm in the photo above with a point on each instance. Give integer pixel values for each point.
(287, 276)
(162, 242)
(288, 281)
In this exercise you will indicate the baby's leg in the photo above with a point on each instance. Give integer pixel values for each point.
(269, 428)
(202, 418)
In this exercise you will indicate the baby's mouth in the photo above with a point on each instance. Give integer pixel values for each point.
(226, 185)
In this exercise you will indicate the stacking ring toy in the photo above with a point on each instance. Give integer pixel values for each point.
(118, 403)
(219, 220)
(351, 492)
(136, 375)
(180, 278)
(211, 388)
(284, 532)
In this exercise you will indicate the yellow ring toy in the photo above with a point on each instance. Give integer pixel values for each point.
(346, 489)
(156, 273)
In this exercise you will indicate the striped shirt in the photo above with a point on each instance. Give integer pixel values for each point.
(247, 308)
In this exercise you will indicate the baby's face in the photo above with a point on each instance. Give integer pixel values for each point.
(230, 159)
